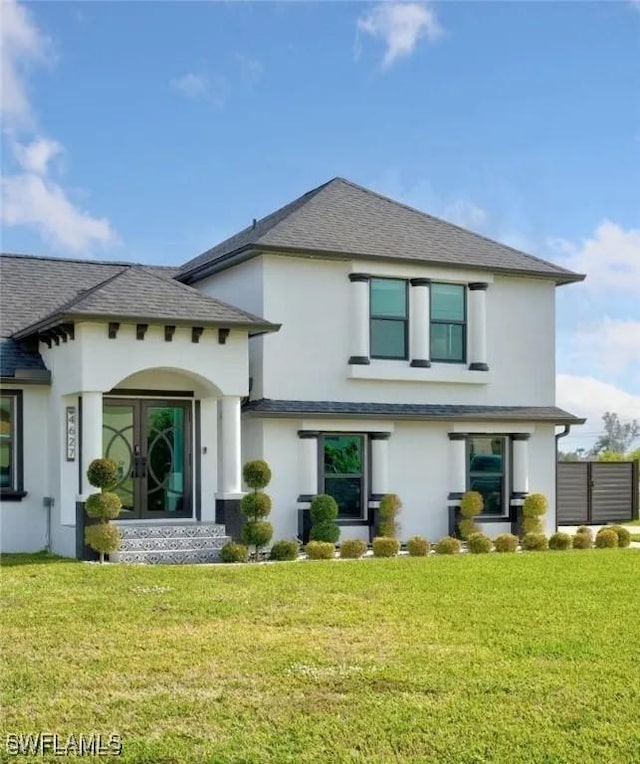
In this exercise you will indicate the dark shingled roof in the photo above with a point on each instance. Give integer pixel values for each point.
(21, 363)
(341, 218)
(426, 411)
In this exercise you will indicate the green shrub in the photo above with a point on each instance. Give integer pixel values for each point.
(103, 506)
(478, 543)
(233, 552)
(102, 473)
(606, 539)
(256, 533)
(255, 505)
(531, 525)
(324, 509)
(256, 474)
(533, 507)
(448, 545)
(390, 506)
(506, 542)
(582, 541)
(385, 546)
(104, 538)
(352, 549)
(624, 537)
(471, 505)
(285, 550)
(467, 527)
(534, 542)
(417, 546)
(560, 541)
(587, 530)
(320, 550)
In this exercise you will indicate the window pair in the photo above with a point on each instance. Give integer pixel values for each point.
(389, 309)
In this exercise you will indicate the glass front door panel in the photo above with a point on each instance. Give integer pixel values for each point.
(165, 436)
(118, 444)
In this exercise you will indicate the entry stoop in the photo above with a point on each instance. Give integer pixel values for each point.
(171, 543)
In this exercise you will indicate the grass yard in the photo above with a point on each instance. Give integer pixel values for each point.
(496, 658)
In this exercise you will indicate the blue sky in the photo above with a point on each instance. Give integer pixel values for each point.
(149, 131)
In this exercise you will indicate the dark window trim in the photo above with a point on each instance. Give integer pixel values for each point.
(364, 477)
(462, 323)
(506, 474)
(16, 491)
(404, 320)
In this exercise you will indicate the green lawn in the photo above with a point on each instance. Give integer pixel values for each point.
(497, 658)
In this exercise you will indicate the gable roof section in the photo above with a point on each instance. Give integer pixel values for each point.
(342, 219)
(266, 407)
(138, 293)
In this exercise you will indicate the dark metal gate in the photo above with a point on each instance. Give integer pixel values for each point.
(597, 492)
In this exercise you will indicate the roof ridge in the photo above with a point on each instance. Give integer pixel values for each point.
(82, 294)
(83, 261)
(467, 231)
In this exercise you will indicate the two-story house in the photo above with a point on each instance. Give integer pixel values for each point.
(358, 345)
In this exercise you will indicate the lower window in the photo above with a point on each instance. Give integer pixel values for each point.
(10, 444)
(343, 473)
(486, 471)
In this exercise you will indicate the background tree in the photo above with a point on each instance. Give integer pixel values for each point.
(617, 437)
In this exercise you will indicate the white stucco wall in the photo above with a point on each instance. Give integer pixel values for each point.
(23, 524)
(418, 470)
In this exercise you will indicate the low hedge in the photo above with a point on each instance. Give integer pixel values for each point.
(320, 550)
(506, 542)
(606, 539)
(448, 545)
(535, 542)
(582, 540)
(478, 543)
(233, 552)
(417, 546)
(352, 549)
(624, 537)
(385, 546)
(284, 551)
(560, 541)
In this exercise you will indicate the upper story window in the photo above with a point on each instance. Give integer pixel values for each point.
(448, 323)
(486, 471)
(389, 318)
(343, 473)
(11, 445)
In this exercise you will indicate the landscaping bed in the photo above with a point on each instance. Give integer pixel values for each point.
(465, 658)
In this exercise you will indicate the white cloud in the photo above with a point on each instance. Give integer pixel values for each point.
(613, 344)
(30, 200)
(36, 156)
(32, 197)
(22, 45)
(589, 397)
(199, 87)
(400, 26)
(610, 258)
(465, 213)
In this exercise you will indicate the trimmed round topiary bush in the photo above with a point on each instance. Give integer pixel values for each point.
(285, 550)
(385, 546)
(352, 549)
(534, 542)
(478, 543)
(323, 512)
(390, 506)
(606, 539)
(448, 545)
(103, 473)
(103, 537)
(256, 533)
(560, 541)
(255, 505)
(256, 474)
(320, 550)
(506, 542)
(624, 537)
(533, 507)
(233, 552)
(103, 506)
(471, 505)
(587, 530)
(582, 540)
(417, 546)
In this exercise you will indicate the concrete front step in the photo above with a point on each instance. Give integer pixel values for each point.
(172, 543)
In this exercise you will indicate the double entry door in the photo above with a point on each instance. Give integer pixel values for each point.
(150, 441)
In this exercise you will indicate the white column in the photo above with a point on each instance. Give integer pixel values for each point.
(420, 318)
(209, 475)
(359, 318)
(520, 468)
(231, 470)
(478, 326)
(308, 465)
(91, 435)
(457, 466)
(379, 464)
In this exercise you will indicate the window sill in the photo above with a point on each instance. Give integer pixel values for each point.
(492, 519)
(12, 495)
(360, 521)
(400, 371)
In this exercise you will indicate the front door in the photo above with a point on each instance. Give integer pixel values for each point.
(150, 441)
